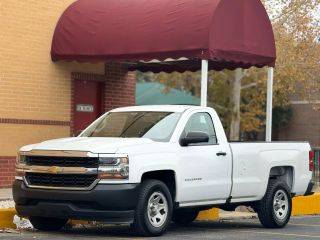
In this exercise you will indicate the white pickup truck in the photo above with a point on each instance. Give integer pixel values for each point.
(151, 165)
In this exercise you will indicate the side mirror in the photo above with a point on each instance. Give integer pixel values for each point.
(194, 137)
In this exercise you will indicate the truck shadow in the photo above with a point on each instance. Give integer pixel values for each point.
(124, 231)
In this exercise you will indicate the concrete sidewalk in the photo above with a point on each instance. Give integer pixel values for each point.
(5, 193)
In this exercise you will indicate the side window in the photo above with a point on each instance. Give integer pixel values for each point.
(201, 122)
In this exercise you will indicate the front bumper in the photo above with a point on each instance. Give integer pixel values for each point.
(110, 203)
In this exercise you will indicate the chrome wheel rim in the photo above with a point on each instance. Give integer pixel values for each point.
(157, 209)
(281, 204)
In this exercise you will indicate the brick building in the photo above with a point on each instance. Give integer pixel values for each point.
(43, 100)
(304, 125)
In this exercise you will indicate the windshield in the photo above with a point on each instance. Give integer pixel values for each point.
(158, 126)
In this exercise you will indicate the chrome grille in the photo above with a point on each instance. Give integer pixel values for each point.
(55, 169)
(87, 162)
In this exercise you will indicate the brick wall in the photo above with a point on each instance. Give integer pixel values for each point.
(304, 125)
(33, 89)
(120, 86)
(31, 85)
(7, 170)
(35, 93)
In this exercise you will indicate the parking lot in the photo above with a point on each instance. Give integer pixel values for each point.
(299, 228)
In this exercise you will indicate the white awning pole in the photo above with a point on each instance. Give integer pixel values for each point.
(204, 82)
(269, 105)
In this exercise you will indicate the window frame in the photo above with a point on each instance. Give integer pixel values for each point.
(200, 144)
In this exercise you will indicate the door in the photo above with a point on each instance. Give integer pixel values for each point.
(88, 103)
(206, 167)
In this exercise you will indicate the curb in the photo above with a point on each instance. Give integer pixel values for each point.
(209, 215)
(309, 205)
(6, 218)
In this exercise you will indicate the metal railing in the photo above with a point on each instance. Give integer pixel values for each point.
(316, 172)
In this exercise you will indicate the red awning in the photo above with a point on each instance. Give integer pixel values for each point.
(229, 33)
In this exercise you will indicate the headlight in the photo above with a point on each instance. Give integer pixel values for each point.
(113, 168)
(21, 159)
(20, 162)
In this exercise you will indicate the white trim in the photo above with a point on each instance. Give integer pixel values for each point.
(202, 203)
(204, 82)
(269, 105)
(166, 60)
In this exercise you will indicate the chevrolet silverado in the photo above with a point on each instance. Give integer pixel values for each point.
(150, 165)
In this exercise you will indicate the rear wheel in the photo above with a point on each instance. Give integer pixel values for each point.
(274, 210)
(48, 224)
(154, 210)
(184, 216)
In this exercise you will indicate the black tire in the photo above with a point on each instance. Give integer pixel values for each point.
(184, 216)
(266, 210)
(142, 225)
(48, 224)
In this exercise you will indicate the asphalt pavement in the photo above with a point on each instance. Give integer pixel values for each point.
(246, 229)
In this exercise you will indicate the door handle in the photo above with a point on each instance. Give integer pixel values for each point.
(221, 154)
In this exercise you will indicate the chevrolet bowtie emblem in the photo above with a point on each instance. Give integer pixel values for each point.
(54, 170)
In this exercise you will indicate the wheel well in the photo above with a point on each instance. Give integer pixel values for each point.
(166, 176)
(283, 173)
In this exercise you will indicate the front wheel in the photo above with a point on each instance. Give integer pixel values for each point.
(154, 209)
(274, 210)
(48, 224)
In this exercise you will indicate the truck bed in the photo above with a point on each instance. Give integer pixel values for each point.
(253, 161)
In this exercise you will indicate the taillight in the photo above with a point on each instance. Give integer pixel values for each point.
(311, 161)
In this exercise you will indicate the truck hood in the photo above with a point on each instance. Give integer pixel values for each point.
(90, 144)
